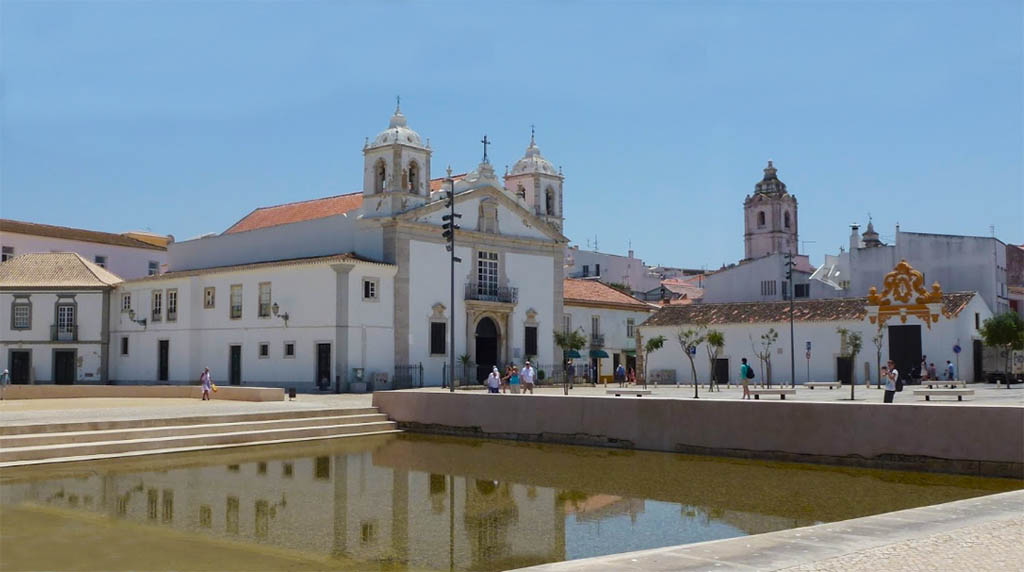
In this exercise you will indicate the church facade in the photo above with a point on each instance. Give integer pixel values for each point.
(355, 287)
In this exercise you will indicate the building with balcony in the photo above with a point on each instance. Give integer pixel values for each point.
(53, 315)
(608, 319)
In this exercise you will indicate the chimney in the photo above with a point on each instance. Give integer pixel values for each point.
(854, 237)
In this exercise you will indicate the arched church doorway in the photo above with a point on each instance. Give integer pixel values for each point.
(486, 347)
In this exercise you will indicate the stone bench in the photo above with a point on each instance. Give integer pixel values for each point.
(627, 391)
(937, 383)
(928, 393)
(782, 393)
(828, 384)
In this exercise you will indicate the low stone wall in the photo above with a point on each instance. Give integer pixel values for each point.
(180, 391)
(976, 439)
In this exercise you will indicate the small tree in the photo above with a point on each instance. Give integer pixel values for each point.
(652, 345)
(689, 340)
(1005, 331)
(850, 350)
(878, 339)
(568, 341)
(765, 355)
(464, 359)
(715, 343)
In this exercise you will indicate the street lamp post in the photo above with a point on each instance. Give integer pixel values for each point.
(450, 227)
(792, 295)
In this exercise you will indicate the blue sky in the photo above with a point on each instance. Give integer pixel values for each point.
(182, 117)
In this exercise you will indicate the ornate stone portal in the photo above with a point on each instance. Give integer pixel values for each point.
(903, 294)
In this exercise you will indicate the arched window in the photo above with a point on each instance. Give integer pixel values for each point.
(379, 176)
(785, 219)
(521, 191)
(414, 177)
(549, 201)
(760, 218)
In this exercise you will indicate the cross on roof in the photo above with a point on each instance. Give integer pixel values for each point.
(486, 143)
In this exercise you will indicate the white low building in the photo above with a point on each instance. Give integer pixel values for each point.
(815, 324)
(53, 315)
(128, 255)
(608, 320)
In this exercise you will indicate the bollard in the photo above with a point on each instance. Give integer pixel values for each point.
(291, 393)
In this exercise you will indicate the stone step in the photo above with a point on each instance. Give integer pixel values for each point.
(247, 437)
(101, 425)
(186, 449)
(30, 440)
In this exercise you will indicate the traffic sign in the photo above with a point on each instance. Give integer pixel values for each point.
(808, 355)
(957, 348)
(808, 345)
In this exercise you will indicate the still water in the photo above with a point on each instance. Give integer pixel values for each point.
(408, 502)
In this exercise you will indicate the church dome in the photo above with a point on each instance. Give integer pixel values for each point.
(533, 162)
(770, 184)
(398, 131)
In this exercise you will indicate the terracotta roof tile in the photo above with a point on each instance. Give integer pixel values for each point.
(54, 269)
(68, 233)
(763, 312)
(331, 258)
(264, 217)
(435, 184)
(592, 292)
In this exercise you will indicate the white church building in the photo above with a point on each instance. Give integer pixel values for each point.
(351, 288)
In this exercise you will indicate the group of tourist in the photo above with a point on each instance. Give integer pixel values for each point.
(513, 380)
(927, 371)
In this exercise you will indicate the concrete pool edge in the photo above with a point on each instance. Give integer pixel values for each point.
(981, 441)
(811, 544)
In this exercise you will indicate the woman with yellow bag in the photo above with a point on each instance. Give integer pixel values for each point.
(207, 383)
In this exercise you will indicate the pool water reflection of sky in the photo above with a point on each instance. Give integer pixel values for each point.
(408, 502)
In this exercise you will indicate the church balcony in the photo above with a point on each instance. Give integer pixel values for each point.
(491, 293)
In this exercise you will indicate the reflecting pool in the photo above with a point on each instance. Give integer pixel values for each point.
(409, 502)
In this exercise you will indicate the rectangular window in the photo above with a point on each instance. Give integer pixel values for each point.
(566, 323)
(126, 301)
(124, 345)
(100, 261)
(369, 289)
(768, 287)
(21, 315)
(487, 273)
(8, 253)
(530, 343)
(172, 305)
(630, 328)
(154, 267)
(158, 306)
(977, 320)
(802, 290)
(205, 516)
(231, 516)
(586, 270)
(595, 325)
(262, 524)
(168, 508)
(322, 469)
(264, 350)
(152, 500)
(236, 301)
(264, 308)
(209, 297)
(287, 470)
(65, 319)
(438, 333)
(289, 349)
(597, 270)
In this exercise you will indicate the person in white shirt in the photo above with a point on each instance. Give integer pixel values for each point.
(891, 375)
(493, 381)
(528, 375)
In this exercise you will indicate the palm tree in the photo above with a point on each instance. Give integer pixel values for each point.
(688, 341)
(715, 342)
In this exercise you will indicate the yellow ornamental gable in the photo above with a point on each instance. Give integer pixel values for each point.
(903, 294)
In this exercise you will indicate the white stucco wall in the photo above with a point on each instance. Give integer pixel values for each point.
(614, 268)
(125, 261)
(38, 340)
(742, 283)
(612, 326)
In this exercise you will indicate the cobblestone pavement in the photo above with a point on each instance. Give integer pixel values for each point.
(995, 546)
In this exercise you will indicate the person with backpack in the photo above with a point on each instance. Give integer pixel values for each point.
(892, 378)
(746, 374)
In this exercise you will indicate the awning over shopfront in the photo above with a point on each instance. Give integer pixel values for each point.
(598, 354)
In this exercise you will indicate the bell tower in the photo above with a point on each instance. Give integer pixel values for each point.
(534, 180)
(770, 218)
(396, 169)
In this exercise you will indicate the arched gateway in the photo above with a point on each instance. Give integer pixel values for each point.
(486, 347)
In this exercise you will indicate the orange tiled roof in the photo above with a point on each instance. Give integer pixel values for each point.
(65, 232)
(435, 184)
(803, 311)
(594, 293)
(264, 217)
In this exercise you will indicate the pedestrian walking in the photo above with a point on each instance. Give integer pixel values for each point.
(932, 373)
(746, 374)
(632, 376)
(493, 380)
(924, 368)
(207, 382)
(506, 378)
(528, 376)
(892, 375)
(5, 378)
(620, 375)
(950, 375)
(513, 380)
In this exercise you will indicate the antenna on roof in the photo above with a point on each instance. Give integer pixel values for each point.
(595, 243)
(992, 230)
